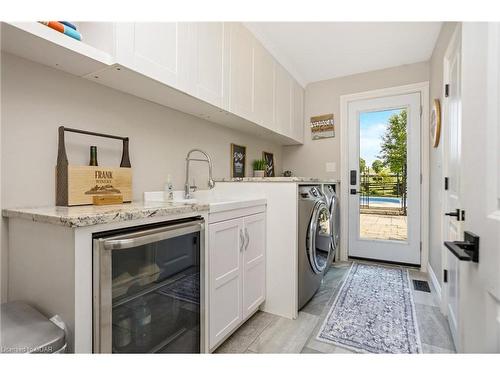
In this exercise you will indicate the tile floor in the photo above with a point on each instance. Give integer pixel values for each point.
(267, 333)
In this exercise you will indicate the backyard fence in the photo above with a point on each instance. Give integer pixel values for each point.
(374, 186)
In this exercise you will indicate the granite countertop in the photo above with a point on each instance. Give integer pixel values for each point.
(278, 179)
(82, 216)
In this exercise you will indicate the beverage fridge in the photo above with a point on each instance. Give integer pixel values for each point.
(148, 289)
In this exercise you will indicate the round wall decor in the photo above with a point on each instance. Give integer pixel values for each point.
(436, 123)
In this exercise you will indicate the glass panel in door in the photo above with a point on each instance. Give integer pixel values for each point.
(156, 297)
(383, 199)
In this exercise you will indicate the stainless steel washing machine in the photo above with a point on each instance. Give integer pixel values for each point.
(329, 190)
(315, 241)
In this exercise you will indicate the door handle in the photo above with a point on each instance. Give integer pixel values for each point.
(242, 240)
(455, 213)
(247, 238)
(353, 177)
(354, 192)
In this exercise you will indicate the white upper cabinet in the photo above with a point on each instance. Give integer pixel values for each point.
(159, 50)
(263, 86)
(206, 72)
(298, 113)
(230, 77)
(241, 48)
(283, 101)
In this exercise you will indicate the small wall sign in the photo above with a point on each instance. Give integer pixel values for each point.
(322, 127)
(269, 158)
(238, 160)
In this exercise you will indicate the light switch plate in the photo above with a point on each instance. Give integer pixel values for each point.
(331, 166)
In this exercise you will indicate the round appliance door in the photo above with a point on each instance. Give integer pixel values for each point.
(319, 237)
(335, 215)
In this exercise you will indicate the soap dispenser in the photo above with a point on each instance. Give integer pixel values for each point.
(169, 189)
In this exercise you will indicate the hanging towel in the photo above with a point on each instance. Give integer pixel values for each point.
(54, 25)
(63, 29)
(69, 24)
(72, 33)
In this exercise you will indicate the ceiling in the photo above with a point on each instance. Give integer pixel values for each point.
(315, 51)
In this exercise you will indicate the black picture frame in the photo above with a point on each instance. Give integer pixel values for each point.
(238, 160)
(269, 158)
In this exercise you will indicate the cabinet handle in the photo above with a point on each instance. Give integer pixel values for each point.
(242, 240)
(247, 237)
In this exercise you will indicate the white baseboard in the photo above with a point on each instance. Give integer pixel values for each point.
(434, 281)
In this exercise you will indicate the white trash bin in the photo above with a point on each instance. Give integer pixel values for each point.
(24, 329)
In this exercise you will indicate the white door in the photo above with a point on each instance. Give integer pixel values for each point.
(254, 272)
(263, 86)
(226, 241)
(208, 43)
(384, 179)
(298, 112)
(158, 50)
(452, 230)
(241, 71)
(283, 99)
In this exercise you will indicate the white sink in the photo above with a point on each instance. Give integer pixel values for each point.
(216, 202)
(161, 196)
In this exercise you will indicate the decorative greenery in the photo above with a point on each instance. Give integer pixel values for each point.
(259, 165)
(393, 146)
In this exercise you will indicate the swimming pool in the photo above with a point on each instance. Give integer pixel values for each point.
(384, 199)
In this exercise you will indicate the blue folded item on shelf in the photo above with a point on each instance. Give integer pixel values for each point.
(72, 33)
(69, 24)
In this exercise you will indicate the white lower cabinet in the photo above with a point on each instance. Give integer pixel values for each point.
(237, 273)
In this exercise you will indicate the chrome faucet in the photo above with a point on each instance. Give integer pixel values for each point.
(211, 182)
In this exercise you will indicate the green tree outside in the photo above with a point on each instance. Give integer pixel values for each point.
(362, 165)
(377, 166)
(393, 147)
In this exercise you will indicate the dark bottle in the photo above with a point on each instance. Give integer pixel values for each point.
(93, 155)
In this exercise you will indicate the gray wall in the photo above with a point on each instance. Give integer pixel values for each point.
(436, 154)
(324, 97)
(37, 99)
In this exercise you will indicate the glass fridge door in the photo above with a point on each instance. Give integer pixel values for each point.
(155, 293)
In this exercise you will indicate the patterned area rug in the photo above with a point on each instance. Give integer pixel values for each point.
(186, 289)
(373, 312)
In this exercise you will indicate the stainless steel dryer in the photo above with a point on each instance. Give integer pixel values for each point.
(329, 190)
(315, 241)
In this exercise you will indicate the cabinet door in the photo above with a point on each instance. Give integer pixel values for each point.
(263, 86)
(254, 265)
(158, 50)
(241, 71)
(298, 112)
(208, 45)
(283, 98)
(226, 277)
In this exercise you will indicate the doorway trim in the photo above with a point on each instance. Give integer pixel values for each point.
(423, 89)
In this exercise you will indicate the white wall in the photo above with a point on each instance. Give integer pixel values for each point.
(37, 99)
(436, 154)
(324, 97)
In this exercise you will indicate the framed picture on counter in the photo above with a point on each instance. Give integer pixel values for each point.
(238, 160)
(269, 158)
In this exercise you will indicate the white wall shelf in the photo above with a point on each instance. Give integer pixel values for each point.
(36, 42)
